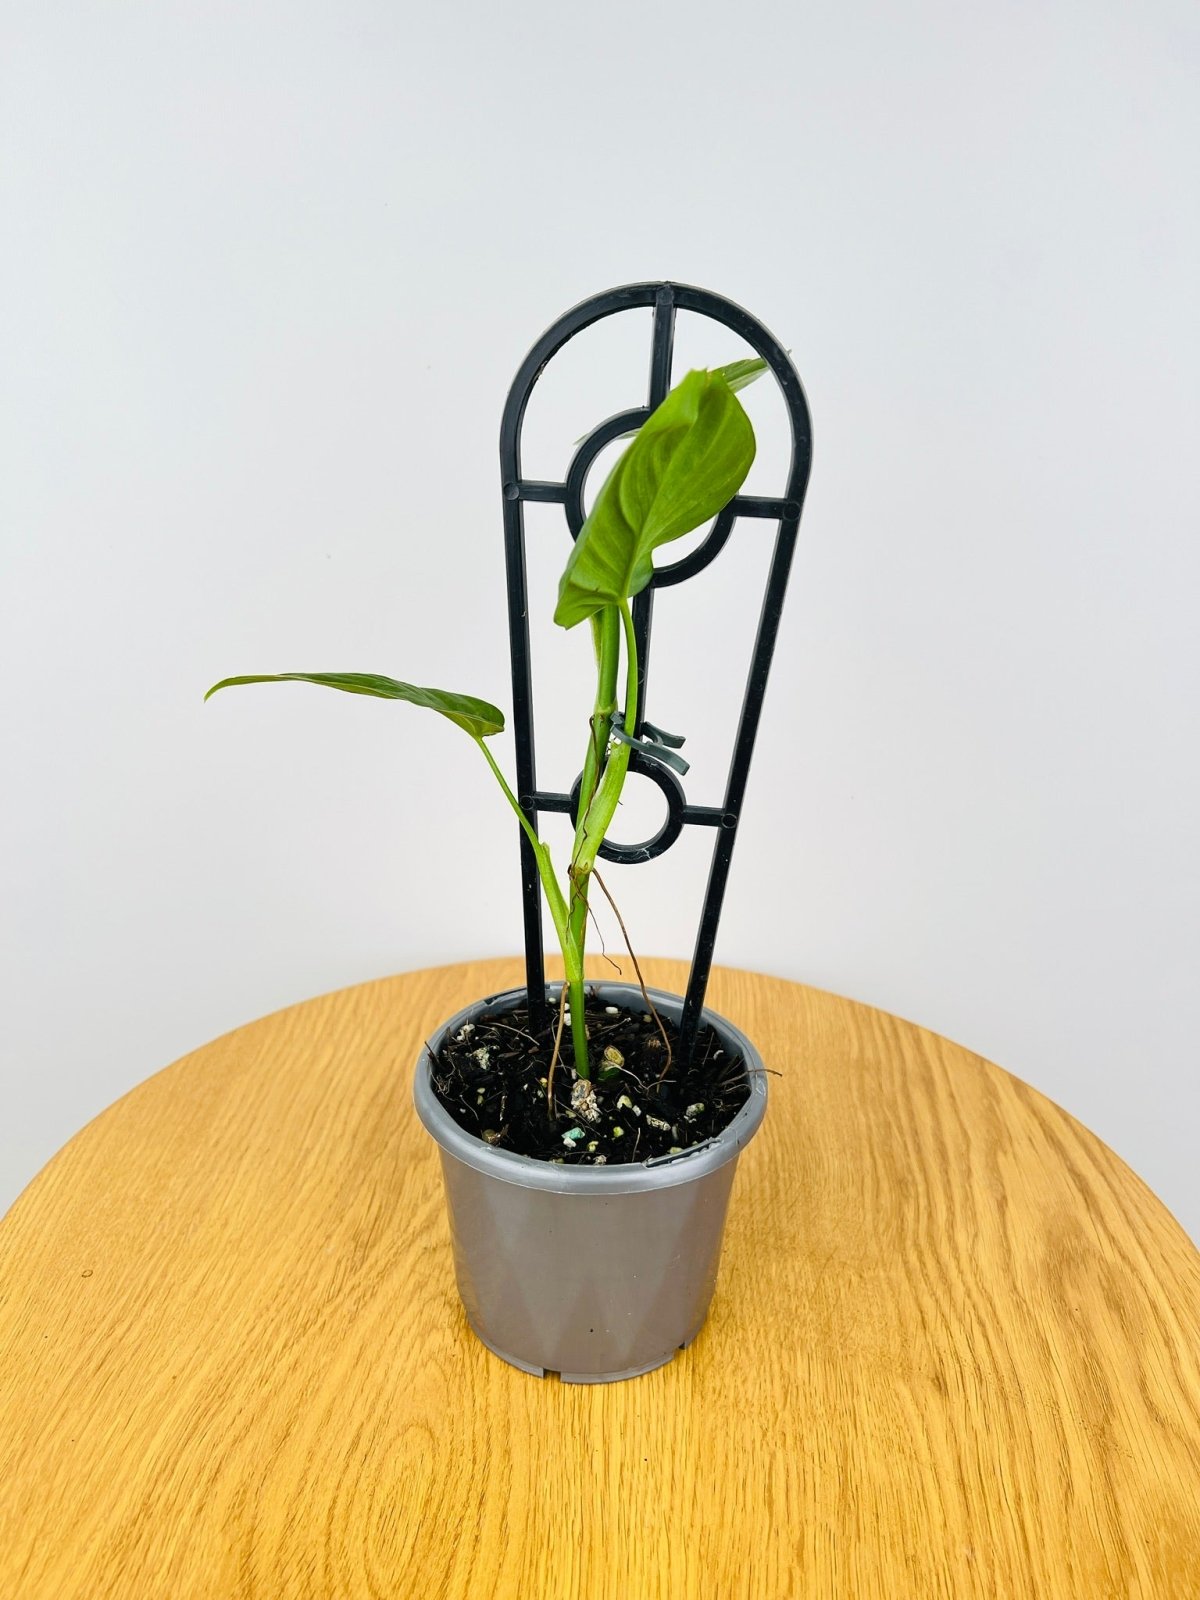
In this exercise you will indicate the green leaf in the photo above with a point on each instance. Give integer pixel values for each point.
(689, 459)
(476, 717)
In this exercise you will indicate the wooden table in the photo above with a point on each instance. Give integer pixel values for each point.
(955, 1349)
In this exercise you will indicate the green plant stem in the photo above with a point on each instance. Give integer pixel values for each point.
(595, 820)
(572, 951)
(579, 1033)
(604, 772)
(608, 791)
(606, 638)
(545, 866)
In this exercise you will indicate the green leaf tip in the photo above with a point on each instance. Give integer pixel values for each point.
(477, 717)
(738, 374)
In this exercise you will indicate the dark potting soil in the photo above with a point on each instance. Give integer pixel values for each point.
(491, 1078)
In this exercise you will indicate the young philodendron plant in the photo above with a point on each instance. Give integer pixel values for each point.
(685, 463)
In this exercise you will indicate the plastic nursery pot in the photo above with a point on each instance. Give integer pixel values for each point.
(595, 1273)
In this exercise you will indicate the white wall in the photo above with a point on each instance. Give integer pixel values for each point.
(266, 273)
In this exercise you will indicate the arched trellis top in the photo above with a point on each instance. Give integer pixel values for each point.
(665, 299)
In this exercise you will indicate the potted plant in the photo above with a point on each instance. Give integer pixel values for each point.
(587, 1157)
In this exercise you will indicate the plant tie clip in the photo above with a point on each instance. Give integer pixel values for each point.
(657, 745)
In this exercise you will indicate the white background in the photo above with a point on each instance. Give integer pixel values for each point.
(266, 273)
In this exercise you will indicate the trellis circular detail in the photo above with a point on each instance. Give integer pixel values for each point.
(672, 826)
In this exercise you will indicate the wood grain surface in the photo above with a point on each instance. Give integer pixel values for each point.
(955, 1348)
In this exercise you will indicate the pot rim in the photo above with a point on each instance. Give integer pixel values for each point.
(526, 1172)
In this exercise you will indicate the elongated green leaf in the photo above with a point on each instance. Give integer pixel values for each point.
(477, 717)
(688, 460)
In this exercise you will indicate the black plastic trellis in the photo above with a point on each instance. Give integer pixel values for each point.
(666, 299)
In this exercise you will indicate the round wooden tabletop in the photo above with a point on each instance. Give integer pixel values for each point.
(955, 1347)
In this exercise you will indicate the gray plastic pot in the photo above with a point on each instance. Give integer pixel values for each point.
(595, 1273)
